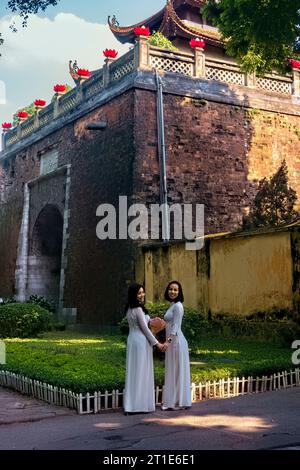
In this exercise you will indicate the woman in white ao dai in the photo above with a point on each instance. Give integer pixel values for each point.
(177, 388)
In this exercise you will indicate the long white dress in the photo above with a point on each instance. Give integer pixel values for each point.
(177, 389)
(139, 383)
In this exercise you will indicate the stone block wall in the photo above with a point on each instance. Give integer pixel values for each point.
(217, 151)
(96, 272)
(216, 154)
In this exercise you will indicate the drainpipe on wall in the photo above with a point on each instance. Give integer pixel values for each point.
(162, 159)
(22, 257)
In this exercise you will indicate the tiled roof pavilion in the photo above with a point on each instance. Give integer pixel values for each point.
(178, 19)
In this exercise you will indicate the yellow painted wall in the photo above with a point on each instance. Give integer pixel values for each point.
(237, 275)
(162, 265)
(250, 274)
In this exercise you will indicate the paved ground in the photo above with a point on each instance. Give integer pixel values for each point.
(16, 408)
(259, 421)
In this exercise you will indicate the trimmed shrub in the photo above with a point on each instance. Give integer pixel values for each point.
(58, 326)
(23, 320)
(42, 302)
(9, 300)
(270, 326)
(154, 310)
(275, 326)
(194, 324)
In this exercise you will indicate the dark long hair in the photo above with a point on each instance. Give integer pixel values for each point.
(179, 297)
(132, 301)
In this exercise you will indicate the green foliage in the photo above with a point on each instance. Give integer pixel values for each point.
(154, 310)
(157, 39)
(58, 326)
(277, 327)
(261, 34)
(31, 110)
(23, 320)
(157, 309)
(89, 362)
(193, 323)
(274, 326)
(9, 300)
(30, 7)
(42, 302)
(25, 8)
(194, 326)
(274, 202)
(72, 360)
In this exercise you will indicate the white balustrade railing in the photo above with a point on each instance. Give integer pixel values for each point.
(147, 57)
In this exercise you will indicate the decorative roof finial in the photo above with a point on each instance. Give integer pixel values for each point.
(73, 69)
(114, 22)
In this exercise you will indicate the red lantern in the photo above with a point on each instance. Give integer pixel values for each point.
(197, 42)
(142, 31)
(110, 53)
(22, 114)
(295, 64)
(40, 103)
(59, 88)
(6, 125)
(84, 73)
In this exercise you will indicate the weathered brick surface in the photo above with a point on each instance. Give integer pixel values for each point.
(102, 161)
(10, 222)
(216, 153)
(97, 272)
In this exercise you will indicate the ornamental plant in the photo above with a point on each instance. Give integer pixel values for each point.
(39, 103)
(23, 320)
(157, 39)
(274, 203)
(111, 53)
(142, 31)
(83, 73)
(197, 42)
(30, 109)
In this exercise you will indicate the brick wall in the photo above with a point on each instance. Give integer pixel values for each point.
(97, 272)
(216, 154)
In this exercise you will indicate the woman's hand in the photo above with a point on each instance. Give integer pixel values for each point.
(161, 347)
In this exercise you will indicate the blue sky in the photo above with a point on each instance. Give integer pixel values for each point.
(36, 57)
(128, 12)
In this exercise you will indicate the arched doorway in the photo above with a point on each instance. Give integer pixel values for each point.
(45, 249)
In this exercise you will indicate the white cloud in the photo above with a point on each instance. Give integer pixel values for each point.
(36, 57)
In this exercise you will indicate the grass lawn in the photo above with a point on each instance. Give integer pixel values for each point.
(90, 362)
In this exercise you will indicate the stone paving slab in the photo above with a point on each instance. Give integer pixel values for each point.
(17, 408)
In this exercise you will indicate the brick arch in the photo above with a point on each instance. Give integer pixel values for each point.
(46, 236)
(45, 250)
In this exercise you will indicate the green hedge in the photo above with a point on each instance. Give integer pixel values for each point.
(23, 320)
(272, 326)
(89, 362)
(193, 326)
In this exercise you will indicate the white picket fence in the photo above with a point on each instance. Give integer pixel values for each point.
(96, 402)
